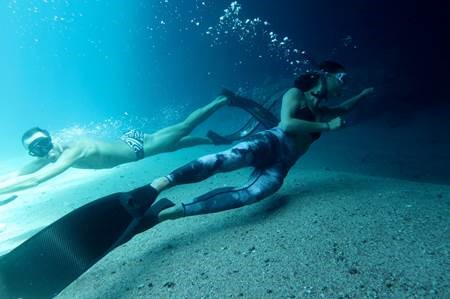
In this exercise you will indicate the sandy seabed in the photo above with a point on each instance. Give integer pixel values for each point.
(326, 234)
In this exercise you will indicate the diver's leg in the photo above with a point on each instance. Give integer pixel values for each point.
(262, 184)
(167, 138)
(255, 151)
(190, 141)
(241, 155)
(237, 157)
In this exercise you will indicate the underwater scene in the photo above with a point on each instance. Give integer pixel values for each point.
(224, 149)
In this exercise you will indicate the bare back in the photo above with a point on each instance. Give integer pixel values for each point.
(99, 155)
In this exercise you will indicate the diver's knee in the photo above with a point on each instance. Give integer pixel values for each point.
(185, 127)
(210, 159)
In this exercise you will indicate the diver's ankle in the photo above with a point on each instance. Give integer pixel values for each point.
(160, 184)
(171, 213)
(221, 101)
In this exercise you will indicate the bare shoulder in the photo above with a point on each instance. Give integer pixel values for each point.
(294, 95)
(293, 92)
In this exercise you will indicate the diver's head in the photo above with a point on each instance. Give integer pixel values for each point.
(38, 143)
(309, 83)
(327, 82)
(336, 77)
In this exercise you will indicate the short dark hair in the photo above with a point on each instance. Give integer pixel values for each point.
(308, 81)
(33, 131)
(330, 66)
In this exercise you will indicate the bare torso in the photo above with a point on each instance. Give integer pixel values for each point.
(98, 154)
(303, 140)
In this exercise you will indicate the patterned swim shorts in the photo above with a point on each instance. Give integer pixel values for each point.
(135, 140)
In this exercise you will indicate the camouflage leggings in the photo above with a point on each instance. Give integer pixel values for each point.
(261, 151)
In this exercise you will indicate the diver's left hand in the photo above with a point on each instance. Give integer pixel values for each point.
(366, 92)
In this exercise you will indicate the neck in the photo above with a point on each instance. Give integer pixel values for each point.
(311, 98)
(57, 150)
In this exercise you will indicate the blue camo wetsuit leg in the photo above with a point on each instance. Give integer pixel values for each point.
(269, 153)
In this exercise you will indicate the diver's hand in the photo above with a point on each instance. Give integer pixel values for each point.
(336, 123)
(367, 92)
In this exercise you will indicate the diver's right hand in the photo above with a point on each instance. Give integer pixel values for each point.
(336, 123)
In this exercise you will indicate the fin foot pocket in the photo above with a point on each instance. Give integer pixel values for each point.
(218, 139)
(151, 218)
(137, 201)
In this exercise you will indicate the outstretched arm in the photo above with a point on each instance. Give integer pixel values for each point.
(29, 168)
(65, 161)
(345, 107)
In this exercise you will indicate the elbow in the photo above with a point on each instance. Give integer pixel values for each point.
(284, 125)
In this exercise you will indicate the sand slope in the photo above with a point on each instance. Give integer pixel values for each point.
(325, 234)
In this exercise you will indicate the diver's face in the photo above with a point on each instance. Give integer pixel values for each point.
(314, 101)
(39, 145)
(336, 84)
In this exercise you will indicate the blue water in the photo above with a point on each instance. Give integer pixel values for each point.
(66, 64)
(97, 68)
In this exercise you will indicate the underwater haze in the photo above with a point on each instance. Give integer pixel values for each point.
(66, 63)
(365, 213)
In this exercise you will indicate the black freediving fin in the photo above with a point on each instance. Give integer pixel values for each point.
(49, 261)
(151, 218)
(254, 108)
(218, 139)
(8, 200)
(249, 128)
(262, 118)
(147, 221)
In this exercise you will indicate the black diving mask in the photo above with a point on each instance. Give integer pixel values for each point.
(40, 147)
